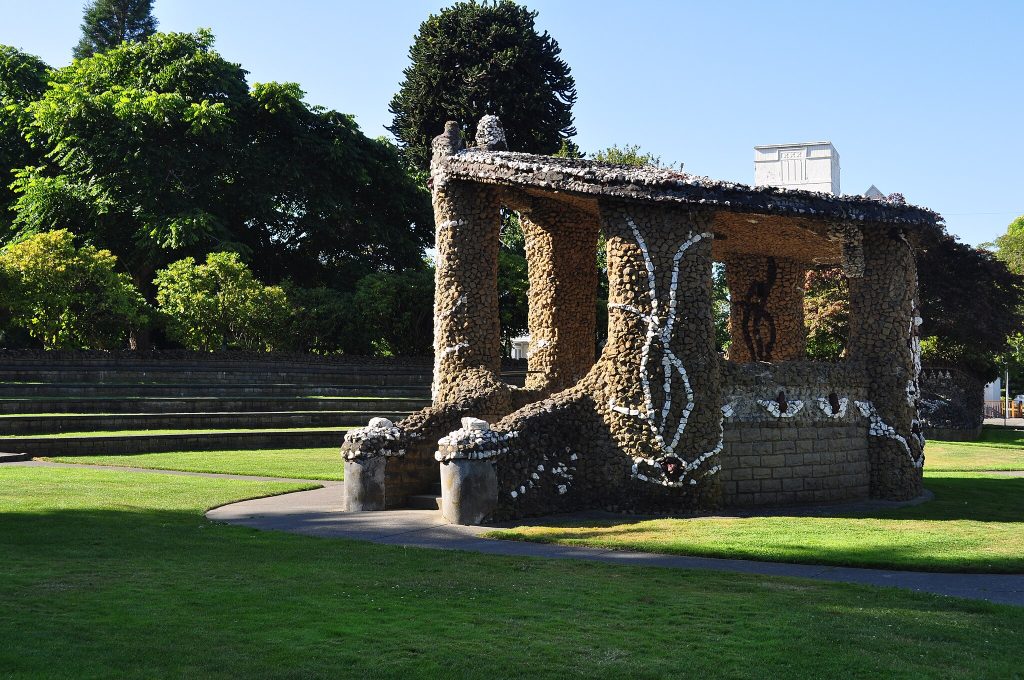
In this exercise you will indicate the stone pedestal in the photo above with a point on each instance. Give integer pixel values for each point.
(364, 484)
(469, 490)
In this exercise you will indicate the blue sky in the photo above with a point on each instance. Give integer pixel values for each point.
(922, 98)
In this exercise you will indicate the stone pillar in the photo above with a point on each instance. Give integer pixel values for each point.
(561, 245)
(884, 323)
(467, 327)
(766, 308)
(658, 378)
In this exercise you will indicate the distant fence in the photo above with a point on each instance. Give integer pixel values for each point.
(997, 409)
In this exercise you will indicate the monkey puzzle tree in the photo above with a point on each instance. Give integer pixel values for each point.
(473, 59)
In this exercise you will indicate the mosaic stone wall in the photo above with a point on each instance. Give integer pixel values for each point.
(560, 248)
(793, 433)
(884, 324)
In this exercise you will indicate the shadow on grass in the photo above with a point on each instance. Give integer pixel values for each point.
(939, 535)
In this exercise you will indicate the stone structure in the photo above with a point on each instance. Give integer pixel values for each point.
(660, 422)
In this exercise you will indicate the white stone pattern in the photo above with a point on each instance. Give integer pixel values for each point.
(826, 407)
(879, 428)
(490, 134)
(536, 346)
(729, 409)
(772, 406)
(380, 437)
(671, 365)
(561, 473)
(473, 444)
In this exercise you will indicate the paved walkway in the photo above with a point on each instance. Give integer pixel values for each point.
(318, 513)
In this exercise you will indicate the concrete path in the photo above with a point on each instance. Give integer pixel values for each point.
(318, 513)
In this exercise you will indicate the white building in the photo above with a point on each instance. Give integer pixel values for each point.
(812, 166)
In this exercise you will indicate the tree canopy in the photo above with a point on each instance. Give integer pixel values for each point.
(22, 79)
(158, 149)
(970, 302)
(108, 23)
(473, 59)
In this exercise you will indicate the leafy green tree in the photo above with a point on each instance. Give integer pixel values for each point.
(1010, 246)
(68, 297)
(221, 304)
(970, 302)
(158, 149)
(473, 59)
(631, 155)
(323, 321)
(22, 80)
(826, 313)
(396, 310)
(108, 23)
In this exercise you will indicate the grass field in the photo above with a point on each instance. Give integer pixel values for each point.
(142, 433)
(975, 523)
(318, 463)
(115, 574)
(998, 449)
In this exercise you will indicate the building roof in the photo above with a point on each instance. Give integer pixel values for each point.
(591, 178)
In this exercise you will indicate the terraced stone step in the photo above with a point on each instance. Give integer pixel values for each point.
(93, 405)
(73, 390)
(111, 444)
(57, 423)
(213, 375)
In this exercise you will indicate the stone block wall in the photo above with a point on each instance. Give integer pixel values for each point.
(769, 463)
(814, 449)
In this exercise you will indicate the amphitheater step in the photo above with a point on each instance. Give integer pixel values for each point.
(424, 501)
(97, 444)
(14, 457)
(75, 390)
(49, 424)
(125, 404)
(207, 375)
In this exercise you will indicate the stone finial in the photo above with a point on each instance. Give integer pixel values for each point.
(448, 142)
(475, 424)
(490, 136)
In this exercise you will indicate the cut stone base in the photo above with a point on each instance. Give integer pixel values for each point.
(364, 484)
(469, 490)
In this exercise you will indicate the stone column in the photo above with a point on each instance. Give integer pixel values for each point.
(561, 253)
(884, 323)
(766, 310)
(467, 327)
(658, 378)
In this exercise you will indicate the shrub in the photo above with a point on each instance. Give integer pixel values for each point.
(68, 297)
(220, 304)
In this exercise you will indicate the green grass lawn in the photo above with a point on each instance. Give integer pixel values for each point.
(140, 433)
(112, 574)
(316, 463)
(998, 449)
(975, 523)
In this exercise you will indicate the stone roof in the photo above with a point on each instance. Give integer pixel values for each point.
(592, 178)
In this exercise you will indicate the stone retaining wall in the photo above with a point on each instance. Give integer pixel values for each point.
(770, 463)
